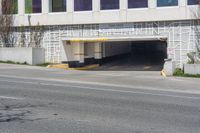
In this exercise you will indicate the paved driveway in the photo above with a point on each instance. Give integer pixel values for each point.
(134, 62)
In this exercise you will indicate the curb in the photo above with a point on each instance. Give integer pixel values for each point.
(66, 67)
(59, 66)
(85, 68)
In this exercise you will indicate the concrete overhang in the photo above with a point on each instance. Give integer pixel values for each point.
(116, 39)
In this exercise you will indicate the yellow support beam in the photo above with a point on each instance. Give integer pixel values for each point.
(66, 67)
(89, 40)
(59, 66)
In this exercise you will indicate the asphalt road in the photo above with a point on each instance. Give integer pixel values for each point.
(30, 104)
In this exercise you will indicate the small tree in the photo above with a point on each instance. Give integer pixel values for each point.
(22, 36)
(36, 35)
(6, 23)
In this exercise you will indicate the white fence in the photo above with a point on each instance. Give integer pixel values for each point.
(192, 68)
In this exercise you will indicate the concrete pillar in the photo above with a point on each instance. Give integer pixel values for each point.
(96, 5)
(123, 4)
(21, 7)
(152, 4)
(70, 6)
(79, 52)
(45, 6)
(183, 3)
(98, 51)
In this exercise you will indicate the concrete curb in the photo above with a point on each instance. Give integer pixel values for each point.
(66, 67)
(59, 66)
(85, 68)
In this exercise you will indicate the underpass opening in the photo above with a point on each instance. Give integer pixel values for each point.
(134, 55)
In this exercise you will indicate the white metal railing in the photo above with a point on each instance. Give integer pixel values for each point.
(180, 35)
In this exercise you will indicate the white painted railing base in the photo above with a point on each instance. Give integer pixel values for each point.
(192, 68)
(169, 67)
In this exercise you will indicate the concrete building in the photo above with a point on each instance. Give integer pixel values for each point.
(86, 31)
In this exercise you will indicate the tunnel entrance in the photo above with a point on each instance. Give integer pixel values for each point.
(134, 56)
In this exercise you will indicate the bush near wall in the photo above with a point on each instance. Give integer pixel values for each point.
(180, 73)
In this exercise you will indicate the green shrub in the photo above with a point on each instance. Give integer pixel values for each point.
(8, 62)
(24, 63)
(12, 62)
(178, 72)
(190, 62)
(44, 64)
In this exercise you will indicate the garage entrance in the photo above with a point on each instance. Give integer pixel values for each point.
(134, 56)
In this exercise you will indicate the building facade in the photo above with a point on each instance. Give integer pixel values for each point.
(79, 30)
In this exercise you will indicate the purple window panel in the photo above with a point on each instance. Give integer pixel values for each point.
(37, 5)
(193, 2)
(137, 3)
(109, 4)
(82, 5)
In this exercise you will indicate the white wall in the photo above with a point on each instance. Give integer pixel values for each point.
(152, 13)
(66, 51)
(31, 56)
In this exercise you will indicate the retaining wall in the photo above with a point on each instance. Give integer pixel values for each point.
(31, 56)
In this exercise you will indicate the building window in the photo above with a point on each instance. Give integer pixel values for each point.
(9, 6)
(109, 4)
(82, 5)
(162, 3)
(193, 2)
(58, 6)
(14, 6)
(137, 3)
(33, 6)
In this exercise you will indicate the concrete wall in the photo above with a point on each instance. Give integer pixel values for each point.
(152, 13)
(116, 48)
(31, 56)
(192, 68)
